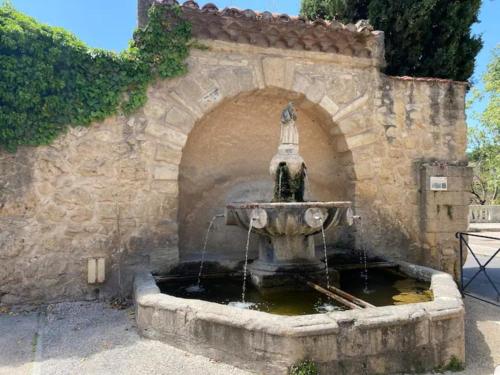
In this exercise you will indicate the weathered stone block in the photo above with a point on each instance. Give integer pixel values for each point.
(278, 72)
(166, 172)
(329, 105)
(82, 214)
(359, 140)
(164, 133)
(168, 154)
(169, 187)
(179, 119)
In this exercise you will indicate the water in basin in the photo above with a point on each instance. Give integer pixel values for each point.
(385, 288)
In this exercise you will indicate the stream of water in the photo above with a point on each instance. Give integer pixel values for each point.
(326, 257)
(198, 287)
(243, 304)
(365, 272)
(279, 184)
(308, 185)
(243, 291)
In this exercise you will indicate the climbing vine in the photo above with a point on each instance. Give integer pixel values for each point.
(50, 80)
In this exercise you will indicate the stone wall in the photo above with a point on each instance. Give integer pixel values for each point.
(112, 190)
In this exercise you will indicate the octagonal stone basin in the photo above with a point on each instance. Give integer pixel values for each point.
(381, 340)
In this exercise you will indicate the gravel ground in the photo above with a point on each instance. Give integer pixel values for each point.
(93, 338)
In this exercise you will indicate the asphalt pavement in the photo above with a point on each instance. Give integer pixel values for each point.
(483, 283)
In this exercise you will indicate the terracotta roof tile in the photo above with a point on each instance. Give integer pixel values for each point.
(266, 29)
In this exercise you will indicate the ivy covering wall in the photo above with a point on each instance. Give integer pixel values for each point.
(50, 80)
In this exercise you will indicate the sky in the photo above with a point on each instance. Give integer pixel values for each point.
(109, 24)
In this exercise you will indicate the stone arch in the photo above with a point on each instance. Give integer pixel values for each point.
(176, 108)
(226, 158)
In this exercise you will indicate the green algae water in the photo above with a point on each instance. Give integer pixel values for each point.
(384, 288)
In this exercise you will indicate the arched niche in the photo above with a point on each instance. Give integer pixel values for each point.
(226, 159)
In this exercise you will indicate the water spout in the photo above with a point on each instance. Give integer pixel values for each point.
(205, 243)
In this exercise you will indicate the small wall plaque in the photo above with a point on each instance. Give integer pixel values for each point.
(439, 183)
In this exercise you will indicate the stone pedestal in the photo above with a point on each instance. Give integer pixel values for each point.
(276, 277)
(282, 259)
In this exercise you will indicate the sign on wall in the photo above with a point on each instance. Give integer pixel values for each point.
(439, 183)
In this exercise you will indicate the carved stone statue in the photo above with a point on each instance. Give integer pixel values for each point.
(289, 132)
(288, 114)
(287, 166)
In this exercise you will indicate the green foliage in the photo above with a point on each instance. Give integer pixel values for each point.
(304, 368)
(288, 188)
(429, 38)
(490, 118)
(50, 80)
(484, 139)
(341, 10)
(454, 365)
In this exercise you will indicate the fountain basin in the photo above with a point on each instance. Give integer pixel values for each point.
(390, 339)
(286, 244)
(286, 218)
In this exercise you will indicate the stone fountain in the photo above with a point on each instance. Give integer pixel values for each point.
(287, 225)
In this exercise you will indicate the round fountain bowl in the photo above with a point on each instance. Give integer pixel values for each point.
(286, 244)
(287, 219)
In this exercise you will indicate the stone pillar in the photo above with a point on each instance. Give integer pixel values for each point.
(443, 213)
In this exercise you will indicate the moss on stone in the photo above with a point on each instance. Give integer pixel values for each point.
(453, 365)
(288, 188)
(411, 291)
(305, 367)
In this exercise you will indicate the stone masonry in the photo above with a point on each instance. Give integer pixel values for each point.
(122, 189)
(413, 338)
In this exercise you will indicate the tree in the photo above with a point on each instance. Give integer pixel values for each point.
(429, 38)
(342, 10)
(485, 137)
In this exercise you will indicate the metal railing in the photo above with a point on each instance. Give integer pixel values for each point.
(464, 240)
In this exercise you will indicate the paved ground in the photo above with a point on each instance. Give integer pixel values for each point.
(484, 249)
(482, 338)
(94, 339)
(90, 339)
